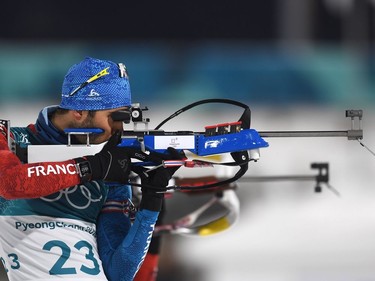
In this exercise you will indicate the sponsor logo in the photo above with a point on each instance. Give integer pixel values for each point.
(139, 156)
(211, 144)
(93, 93)
(123, 163)
(23, 138)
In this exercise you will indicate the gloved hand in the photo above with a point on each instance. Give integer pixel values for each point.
(155, 181)
(112, 163)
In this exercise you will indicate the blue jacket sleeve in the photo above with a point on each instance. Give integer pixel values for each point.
(123, 245)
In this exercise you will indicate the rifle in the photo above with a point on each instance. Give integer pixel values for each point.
(235, 138)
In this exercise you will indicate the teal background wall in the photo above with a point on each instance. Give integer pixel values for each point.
(167, 72)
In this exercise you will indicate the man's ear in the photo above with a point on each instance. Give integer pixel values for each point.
(79, 115)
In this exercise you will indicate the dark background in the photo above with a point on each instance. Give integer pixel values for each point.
(170, 20)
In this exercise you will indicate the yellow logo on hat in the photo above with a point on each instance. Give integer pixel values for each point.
(91, 79)
(98, 75)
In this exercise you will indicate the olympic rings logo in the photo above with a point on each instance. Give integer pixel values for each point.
(77, 188)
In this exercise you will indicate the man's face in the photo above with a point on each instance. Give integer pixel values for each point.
(100, 119)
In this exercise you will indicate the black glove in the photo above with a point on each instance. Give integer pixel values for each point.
(112, 163)
(155, 181)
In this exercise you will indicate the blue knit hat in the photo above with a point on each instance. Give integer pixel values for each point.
(95, 84)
